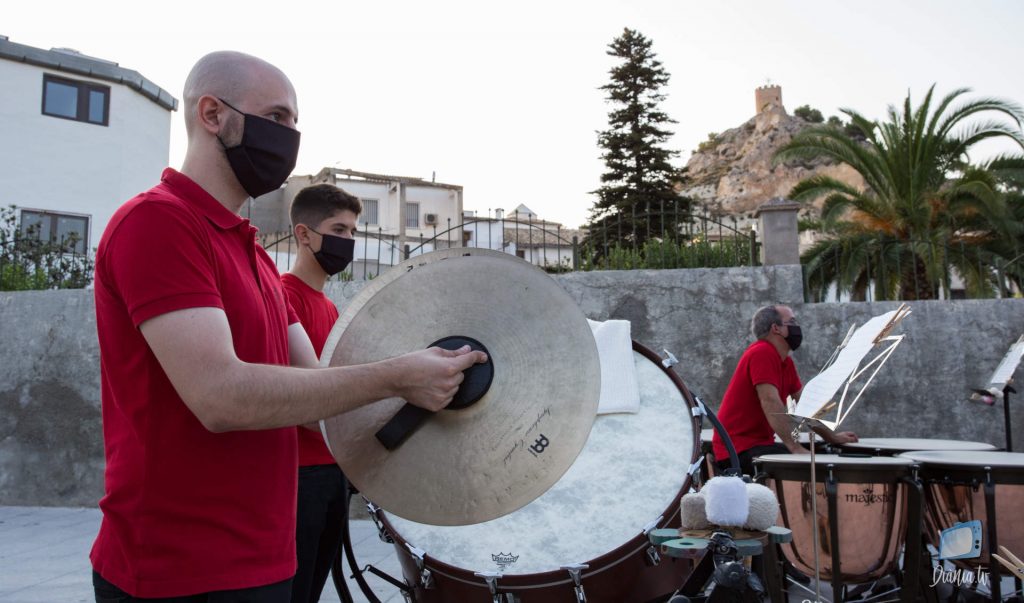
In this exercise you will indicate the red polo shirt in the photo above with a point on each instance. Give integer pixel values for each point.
(186, 510)
(317, 313)
(741, 413)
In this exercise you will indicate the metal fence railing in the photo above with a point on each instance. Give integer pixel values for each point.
(687, 241)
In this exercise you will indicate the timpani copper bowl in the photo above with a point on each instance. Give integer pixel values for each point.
(894, 446)
(867, 509)
(963, 486)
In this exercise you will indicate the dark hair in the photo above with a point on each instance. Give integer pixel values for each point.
(314, 204)
(763, 320)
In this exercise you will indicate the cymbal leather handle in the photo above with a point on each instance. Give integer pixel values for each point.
(401, 426)
(476, 381)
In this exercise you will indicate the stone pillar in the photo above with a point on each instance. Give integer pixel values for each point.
(401, 218)
(780, 241)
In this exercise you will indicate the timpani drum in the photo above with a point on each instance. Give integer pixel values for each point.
(628, 480)
(708, 467)
(974, 485)
(894, 446)
(864, 508)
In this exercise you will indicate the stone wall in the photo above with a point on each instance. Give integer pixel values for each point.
(51, 447)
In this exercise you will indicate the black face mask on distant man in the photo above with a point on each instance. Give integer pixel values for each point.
(335, 253)
(266, 155)
(795, 337)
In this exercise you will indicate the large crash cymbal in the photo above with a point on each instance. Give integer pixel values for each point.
(488, 459)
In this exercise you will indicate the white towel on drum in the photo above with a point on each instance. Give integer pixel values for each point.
(619, 389)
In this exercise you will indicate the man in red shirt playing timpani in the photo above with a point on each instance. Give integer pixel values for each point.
(753, 409)
(324, 224)
(199, 403)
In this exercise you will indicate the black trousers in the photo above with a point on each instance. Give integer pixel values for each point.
(747, 457)
(278, 592)
(322, 492)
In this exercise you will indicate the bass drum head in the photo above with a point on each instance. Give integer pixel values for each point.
(630, 473)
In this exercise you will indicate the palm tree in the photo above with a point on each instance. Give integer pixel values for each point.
(925, 209)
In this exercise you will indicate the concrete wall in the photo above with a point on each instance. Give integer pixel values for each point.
(51, 450)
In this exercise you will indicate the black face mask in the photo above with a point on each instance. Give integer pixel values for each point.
(335, 253)
(265, 157)
(795, 337)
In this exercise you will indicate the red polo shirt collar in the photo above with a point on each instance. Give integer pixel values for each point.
(193, 194)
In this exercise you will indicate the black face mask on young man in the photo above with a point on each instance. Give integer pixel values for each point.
(335, 253)
(266, 155)
(795, 337)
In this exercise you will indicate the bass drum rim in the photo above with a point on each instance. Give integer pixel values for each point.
(519, 583)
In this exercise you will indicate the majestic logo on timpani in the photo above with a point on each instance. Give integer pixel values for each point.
(539, 445)
(504, 559)
(869, 497)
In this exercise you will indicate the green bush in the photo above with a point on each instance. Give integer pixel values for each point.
(28, 263)
(664, 254)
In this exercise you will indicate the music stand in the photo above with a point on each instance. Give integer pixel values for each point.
(817, 398)
(999, 385)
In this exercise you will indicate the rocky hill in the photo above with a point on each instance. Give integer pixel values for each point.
(733, 173)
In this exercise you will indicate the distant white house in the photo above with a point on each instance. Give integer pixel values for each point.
(402, 216)
(81, 136)
(522, 233)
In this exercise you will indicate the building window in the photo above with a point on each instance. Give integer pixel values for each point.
(412, 215)
(68, 230)
(73, 99)
(369, 215)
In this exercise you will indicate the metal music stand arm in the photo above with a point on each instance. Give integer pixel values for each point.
(811, 436)
(734, 459)
(1007, 390)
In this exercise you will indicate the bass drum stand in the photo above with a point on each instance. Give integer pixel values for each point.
(346, 551)
(722, 565)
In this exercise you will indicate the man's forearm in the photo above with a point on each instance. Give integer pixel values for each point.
(259, 396)
(783, 426)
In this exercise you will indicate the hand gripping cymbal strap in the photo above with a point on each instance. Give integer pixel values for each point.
(476, 381)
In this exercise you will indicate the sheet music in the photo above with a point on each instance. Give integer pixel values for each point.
(1001, 376)
(823, 388)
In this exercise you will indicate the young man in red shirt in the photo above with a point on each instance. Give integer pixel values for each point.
(323, 221)
(199, 405)
(753, 409)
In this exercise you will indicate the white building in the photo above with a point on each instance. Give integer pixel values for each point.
(81, 136)
(402, 216)
(523, 234)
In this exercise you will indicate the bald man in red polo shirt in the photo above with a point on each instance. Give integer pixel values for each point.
(195, 334)
(753, 408)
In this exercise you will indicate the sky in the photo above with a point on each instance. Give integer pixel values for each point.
(503, 98)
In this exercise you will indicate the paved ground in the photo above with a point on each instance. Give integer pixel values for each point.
(44, 557)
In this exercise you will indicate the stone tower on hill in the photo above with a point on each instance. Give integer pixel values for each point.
(732, 174)
(766, 96)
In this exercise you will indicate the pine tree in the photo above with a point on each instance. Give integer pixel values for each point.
(636, 201)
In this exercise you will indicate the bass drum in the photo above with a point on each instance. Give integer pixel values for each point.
(585, 536)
